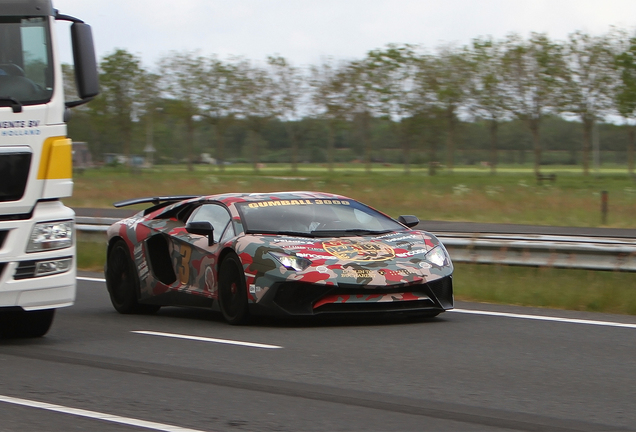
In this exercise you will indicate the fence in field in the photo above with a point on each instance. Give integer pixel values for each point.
(536, 250)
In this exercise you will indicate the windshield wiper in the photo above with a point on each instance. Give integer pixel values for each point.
(354, 231)
(286, 233)
(15, 104)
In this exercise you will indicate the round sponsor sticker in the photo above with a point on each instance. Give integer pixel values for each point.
(424, 264)
(322, 269)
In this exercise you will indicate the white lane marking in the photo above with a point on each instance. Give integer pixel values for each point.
(95, 415)
(545, 318)
(205, 339)
(90, 279)
(502, 314)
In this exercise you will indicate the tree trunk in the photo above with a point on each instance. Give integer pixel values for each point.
(534, 128)
(406, 147)
(255, 149)
(330, 144)
(432, 164)
(190, 134)
(630, 151)
(220, 146)
(126, 136)
(293, 137)
(450, 141)
(494, 126)
(588, 124)
(366, 141)
(149, 141)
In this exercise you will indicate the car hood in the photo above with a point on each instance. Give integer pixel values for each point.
(391, 259)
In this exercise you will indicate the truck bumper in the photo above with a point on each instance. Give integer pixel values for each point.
(21, 284)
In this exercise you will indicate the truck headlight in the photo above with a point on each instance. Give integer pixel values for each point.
(50, 236)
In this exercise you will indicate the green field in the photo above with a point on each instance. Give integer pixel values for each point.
(469, 194)
(466, 194)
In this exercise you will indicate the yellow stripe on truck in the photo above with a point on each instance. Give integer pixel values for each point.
(57, 159)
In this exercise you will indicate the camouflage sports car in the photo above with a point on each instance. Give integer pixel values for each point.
(284, 253)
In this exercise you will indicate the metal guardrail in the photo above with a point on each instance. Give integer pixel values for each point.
(591, 253)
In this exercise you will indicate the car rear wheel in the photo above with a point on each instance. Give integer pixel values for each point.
(122, 281)
(233, 291)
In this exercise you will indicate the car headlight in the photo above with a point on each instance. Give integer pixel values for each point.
(50, 236)
(437, 256)
(291, 262)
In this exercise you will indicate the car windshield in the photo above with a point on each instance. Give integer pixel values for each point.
(314, 218)
(26, 75)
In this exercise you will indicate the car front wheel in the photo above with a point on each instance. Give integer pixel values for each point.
(232, 291)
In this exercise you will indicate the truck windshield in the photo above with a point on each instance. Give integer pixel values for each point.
(26, 75)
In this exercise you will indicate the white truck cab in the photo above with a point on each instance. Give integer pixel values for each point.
(37, 234)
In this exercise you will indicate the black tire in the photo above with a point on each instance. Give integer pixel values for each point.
(26, 324)
(428, 314)
(233, 291)
(122, 282)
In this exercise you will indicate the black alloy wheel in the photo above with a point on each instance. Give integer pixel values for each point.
(122, 282)
(233, 291)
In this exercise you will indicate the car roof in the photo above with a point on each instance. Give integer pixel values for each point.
(166, 205)
(232, 198)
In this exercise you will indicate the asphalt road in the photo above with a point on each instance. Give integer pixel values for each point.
(463, 371)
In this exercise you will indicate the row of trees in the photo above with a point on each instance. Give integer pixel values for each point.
(422, 99)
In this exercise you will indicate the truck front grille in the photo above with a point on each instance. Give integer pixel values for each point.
(25, 270)
(14, 172)
(3, 236)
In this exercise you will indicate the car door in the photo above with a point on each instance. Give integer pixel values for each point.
(194, 258)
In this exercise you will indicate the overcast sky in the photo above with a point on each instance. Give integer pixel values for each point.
(304, 31)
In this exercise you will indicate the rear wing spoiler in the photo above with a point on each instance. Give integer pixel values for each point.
(154, 200)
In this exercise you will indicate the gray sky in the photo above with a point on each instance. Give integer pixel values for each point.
(304, 31)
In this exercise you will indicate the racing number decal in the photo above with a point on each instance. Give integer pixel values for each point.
(183, 266)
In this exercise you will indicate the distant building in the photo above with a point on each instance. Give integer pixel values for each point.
(120, 159)
(81, 155)
(206, 158)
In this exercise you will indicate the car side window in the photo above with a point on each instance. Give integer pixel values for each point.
(217, 215)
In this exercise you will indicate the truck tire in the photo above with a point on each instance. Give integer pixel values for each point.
(26, 324)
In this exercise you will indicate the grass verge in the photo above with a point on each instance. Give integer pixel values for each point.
(571, 289)
(91, 256)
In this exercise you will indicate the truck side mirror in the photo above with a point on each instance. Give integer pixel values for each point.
(86, 77)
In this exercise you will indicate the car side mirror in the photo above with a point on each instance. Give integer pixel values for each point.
(201, 228)
(409, 220)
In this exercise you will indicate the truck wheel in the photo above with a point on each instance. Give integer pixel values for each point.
(122, 281)
(26, 324)
(36, 323)
(232, 291)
